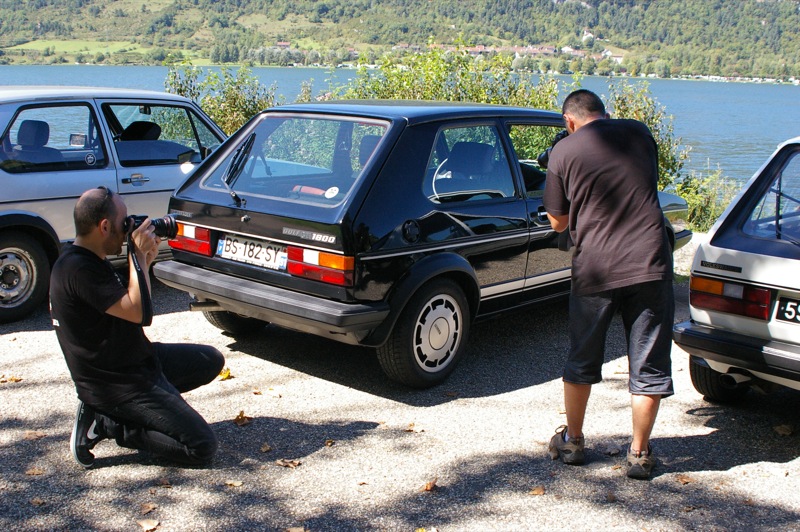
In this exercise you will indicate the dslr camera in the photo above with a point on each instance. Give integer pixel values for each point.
(165, 227)
(544, 157)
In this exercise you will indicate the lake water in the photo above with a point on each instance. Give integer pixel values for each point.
(733, 126)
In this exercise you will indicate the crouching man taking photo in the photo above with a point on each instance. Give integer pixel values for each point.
(129, 388)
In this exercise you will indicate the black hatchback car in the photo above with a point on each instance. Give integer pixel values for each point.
(385, 223)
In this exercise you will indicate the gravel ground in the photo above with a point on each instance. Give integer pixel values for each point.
(370, 455)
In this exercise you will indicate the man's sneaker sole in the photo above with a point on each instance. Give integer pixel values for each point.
(80, 453)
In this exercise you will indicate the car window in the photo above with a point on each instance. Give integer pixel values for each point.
(776, 213)
(300, 158)
(530, 143)
(53, 138)
(467, 164)
(146, 134)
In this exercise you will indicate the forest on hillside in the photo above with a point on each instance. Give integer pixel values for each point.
(752, 38)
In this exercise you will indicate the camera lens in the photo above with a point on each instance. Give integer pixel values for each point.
(165, 227)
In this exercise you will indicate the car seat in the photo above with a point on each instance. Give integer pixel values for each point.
(32, 137)
(141, 130)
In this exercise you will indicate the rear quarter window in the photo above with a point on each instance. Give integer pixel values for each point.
(775, 213)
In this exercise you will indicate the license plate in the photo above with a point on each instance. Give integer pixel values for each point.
(789, 310)
(264, 254)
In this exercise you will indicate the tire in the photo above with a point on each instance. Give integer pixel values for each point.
(708, 382)
(24, 276)
(429, 337)
(232, 323)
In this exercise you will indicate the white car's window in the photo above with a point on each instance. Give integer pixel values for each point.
(300, 158)
(467, 164)
(776, 215)
(146, 134)
(53, 138)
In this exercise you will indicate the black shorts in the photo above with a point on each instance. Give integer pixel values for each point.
(647, 311)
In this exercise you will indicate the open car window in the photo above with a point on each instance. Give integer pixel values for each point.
(146, 134)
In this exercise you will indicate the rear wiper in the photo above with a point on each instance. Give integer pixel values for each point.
(236, 166)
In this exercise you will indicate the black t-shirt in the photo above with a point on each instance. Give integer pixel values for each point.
(110, 359)
(605, 177)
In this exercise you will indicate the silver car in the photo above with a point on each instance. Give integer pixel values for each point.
(58, 142)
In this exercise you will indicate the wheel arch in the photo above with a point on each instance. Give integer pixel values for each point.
(440, 265)
(35, 227)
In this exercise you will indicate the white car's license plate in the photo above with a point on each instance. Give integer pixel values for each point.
(264, 254)
(789, 310)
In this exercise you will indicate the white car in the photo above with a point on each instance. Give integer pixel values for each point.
(57, 142)
(745, 288)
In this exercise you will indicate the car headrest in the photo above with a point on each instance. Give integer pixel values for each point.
(33, 133)
(470, 158)
(141, 130)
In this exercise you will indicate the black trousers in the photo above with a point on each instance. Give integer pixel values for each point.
(160, 421)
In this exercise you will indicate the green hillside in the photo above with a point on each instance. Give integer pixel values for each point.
(687, 37)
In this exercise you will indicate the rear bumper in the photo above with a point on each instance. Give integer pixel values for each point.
(346, 322)
(778, 359)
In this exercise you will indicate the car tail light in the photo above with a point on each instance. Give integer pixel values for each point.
(320, 266)
(192, 239)
(733, 298)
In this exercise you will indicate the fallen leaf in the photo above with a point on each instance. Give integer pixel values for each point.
(684, 479)
(147, 507)
(615, 467)
(33, 435)
(538, 490)
(241, 420)
(257, 392)
(225, 374)
(690, 508)
(610, 497)
(296, 529)
(148, 525)
(451, 394)
(34, 471)
(36, 501)
(265, 448)
(784, 430)
(164, 483)
(283, 462)
(14, 379)
(362, 483)
(329, 443)
(233, 483)
(613, 450)
(430, 485)
(412, 428)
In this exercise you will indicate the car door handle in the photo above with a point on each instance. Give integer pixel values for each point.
(135, 180)
(542, 214)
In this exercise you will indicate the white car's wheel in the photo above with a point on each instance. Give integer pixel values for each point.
(24, 276)
(429, 337)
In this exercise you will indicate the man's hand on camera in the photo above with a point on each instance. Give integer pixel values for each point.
(146, 241)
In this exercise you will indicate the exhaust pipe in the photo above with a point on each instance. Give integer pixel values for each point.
(734, 380)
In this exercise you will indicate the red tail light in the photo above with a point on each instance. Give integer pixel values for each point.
(320, 266)
(192, 239)
(733, 298)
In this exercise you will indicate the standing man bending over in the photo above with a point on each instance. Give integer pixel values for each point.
(128, 388)
(602, 185)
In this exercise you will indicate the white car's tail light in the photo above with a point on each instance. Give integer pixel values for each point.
(733, 298)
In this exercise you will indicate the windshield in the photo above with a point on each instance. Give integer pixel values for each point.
(301, 158)
(776, 214)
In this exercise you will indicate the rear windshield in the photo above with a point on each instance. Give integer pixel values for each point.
(775, 214)
(300, 158)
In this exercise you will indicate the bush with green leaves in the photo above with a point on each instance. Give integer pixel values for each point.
(229, 98)
(707, 196)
